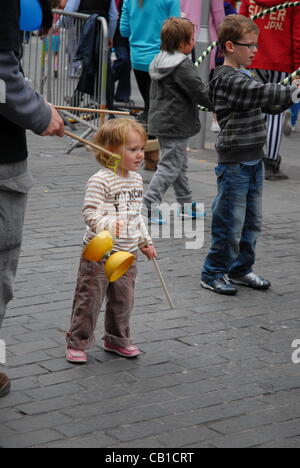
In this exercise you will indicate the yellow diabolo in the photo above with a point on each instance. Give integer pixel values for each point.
(117, 263)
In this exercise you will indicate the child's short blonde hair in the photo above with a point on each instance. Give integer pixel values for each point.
(233, 29)
(174, 32)
(113, 134)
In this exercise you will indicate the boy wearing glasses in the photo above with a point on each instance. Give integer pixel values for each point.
(240, 102)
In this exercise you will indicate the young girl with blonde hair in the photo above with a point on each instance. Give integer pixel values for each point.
(113, 202)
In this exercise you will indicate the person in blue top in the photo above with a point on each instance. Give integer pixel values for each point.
(141, 22)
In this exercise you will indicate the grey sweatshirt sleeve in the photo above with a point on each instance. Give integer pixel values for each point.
(275, 109)
(22, 105)
(242, 93)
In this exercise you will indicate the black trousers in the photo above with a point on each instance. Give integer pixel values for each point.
(144, 82)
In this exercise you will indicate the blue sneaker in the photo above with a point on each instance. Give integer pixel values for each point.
(190, 212)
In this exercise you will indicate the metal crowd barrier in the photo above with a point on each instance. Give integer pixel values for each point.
(49, 67)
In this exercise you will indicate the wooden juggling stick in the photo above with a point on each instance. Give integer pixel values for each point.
(116, 157)
(163, 284)
(87, 109)
(157, 269)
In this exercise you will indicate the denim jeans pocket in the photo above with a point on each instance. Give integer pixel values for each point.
(219, 170)
(259, 175)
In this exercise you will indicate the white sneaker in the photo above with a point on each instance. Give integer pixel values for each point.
(215, 127)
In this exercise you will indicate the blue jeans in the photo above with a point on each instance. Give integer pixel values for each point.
(236, 221)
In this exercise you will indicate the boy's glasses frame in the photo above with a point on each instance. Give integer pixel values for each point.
(250, 46)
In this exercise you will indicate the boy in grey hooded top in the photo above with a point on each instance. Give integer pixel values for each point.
(176, 91)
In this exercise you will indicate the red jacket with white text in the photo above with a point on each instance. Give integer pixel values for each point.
(279, 40)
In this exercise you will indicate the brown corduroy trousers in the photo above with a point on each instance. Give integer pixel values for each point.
(91, 290)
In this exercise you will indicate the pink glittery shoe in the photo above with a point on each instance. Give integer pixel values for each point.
(75, 356)
(128, 351)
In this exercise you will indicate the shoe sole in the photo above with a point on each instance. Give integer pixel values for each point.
(109, 350)
(76, 362)
(5, 390)
(228, 293)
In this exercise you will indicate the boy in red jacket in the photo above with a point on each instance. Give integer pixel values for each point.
(278, 55)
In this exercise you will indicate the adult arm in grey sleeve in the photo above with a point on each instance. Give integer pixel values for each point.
(22, 106)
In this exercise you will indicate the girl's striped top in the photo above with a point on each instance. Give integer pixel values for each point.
(109, 198)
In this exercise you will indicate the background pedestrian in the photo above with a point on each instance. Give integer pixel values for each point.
(141, 22)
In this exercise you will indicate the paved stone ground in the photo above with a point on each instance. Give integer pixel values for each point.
(215, 372)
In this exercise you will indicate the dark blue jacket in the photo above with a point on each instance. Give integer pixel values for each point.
(88, 47)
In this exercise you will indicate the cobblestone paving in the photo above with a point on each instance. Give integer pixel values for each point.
(214, 372)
